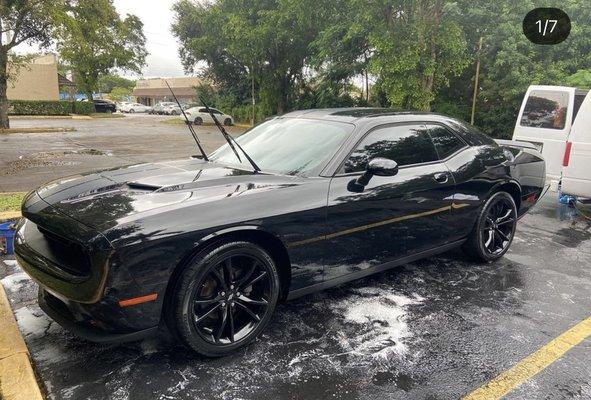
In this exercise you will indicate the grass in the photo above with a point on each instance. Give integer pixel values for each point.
(11, 201)
(36, 129)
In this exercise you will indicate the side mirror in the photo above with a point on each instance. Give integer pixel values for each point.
(382, 167)
(379, 167)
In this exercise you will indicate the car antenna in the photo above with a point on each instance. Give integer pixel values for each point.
(189, 125)
(229, 138)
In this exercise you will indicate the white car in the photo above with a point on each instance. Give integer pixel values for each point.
(135, 107)
(557, 120)
(199, 115)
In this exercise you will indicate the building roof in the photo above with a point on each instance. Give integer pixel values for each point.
(156, 87)
(63, 81)
(159, 92)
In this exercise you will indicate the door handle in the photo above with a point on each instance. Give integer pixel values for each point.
(441, 177)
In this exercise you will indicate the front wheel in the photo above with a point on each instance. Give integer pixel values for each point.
(494, 230)
(198, 121)
(228, 122)
(225, 298)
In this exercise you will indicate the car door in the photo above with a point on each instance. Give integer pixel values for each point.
(205, 116)
(392, 216)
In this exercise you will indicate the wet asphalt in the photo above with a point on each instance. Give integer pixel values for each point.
(435, 329)
(28, 160)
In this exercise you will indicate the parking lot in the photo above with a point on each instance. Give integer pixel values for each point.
(28, 160)
(434, 329)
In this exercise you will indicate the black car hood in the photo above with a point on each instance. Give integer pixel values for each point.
(105, 199)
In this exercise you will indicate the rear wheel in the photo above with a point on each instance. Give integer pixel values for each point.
(198, 121)
(225, 298)
(228, 122)
(494, 230)
(131, 111)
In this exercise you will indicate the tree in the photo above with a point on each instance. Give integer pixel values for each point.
(580, 79)
(250, 43)
(21, 21)
(93, 39)
(120, 93)
(107, 82)
(510, 62)
(417, 48)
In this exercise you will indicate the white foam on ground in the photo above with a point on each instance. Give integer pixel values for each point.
(32, 321)
(384, 330)
(10, 263)
(15, 282)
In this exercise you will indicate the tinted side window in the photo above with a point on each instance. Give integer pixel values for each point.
(545, 109)
(446, 143)
(405, 144)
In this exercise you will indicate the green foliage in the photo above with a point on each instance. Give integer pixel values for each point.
(83, 107)
(580, 79)
(207, 93)
(106, 83)
(93, 39)
(22, 21)
(120, 93)
(11, 201)
(419, 54)
(58, 107)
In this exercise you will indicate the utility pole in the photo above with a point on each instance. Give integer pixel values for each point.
(252, 95)
(476, 79)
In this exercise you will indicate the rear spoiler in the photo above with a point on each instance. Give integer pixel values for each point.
(516, 144)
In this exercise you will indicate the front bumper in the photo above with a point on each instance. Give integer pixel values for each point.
(66, 314)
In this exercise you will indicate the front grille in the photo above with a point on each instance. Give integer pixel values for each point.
(65, 253)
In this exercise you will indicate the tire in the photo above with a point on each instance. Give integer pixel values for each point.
(494, 229)
(131, 111)
(173, 112)
(224, 298)
(198, 121)
(228, 122)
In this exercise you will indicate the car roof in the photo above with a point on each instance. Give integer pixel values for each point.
(352, 114)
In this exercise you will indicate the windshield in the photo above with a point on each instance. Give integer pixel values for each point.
(287, 146)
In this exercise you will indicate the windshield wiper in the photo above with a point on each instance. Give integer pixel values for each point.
(189, 125)
(230, 139)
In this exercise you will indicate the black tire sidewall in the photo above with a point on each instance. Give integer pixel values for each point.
(198, 121)
(228, 122)
(479, 242)
(194, 273)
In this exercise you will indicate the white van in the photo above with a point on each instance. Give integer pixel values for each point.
(548, 117)
(576, 172)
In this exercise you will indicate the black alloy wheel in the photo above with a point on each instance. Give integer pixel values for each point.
(225, 298)
(499, 226)
(495, 228)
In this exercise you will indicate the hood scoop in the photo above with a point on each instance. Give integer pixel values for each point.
(143, 186)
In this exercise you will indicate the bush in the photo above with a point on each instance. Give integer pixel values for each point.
(83, 107)
(243, 114)
(56, 107)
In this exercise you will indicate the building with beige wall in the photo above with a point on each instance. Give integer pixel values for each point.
(152, 91)
(36, 80)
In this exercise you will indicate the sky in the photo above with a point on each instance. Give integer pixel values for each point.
(163, 59)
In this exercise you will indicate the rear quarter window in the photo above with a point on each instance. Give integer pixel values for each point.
(470, 134)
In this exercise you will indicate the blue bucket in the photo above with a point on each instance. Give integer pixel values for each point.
(7, 238)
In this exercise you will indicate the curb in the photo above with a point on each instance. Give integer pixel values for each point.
(17, 379)
(36, 130)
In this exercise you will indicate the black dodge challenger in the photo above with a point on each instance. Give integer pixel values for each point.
(209, 245)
